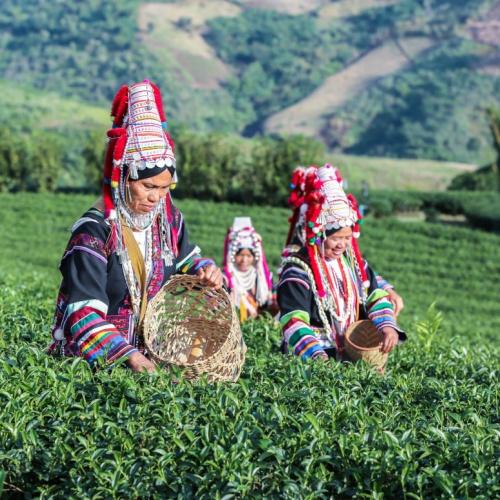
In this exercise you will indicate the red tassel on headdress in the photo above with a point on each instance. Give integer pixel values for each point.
(116, 137)
(314, 200)
(170, 141)
(121, 143)
(295, 200)
(354, 244)
(107, 196)
(119, 107)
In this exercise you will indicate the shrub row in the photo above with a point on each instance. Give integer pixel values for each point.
(286, 429)
(481, 209)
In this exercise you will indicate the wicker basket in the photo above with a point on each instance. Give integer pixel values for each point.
(362, 341)
(196, 328)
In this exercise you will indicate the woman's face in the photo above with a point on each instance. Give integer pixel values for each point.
(145, 194)
(336, 244)
(244, 259)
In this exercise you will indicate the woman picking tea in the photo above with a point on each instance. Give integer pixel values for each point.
(246, 273)
(126, 247)
(325, 284)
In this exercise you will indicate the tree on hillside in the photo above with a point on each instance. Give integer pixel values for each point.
(29, 165)
(486, 178)
(495, 130)
(93, 154)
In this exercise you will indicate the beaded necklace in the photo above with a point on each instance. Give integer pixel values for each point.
(328, 304)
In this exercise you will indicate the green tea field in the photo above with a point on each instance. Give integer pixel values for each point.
(428, 428)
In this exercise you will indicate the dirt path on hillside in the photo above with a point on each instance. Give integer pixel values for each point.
(162, 32)
(307, 116)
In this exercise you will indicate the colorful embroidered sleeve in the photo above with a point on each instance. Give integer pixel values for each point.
(383, 283)
(189, 260)
(379, 308)
(83, 324)
(295, 301)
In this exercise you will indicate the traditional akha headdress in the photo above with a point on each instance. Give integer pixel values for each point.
(243, 235)
(320, 208)
(139, 147)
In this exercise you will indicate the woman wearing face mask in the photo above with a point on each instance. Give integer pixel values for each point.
(245, 269)
(126, 247)
(325, 285)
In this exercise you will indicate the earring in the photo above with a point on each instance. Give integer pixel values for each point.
(128, 195)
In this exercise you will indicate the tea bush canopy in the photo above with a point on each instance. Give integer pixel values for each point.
(287, 428)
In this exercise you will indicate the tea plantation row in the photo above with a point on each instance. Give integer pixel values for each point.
(429, 428)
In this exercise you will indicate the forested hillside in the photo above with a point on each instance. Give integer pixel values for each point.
(245, 66)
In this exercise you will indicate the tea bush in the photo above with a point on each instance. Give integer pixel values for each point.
(429, 428)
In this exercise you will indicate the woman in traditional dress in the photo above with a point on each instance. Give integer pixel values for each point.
(126, 247)
(325, 285)
(297, 235)
(246, 273)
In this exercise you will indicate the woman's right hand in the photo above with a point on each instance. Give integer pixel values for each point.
(137, 362)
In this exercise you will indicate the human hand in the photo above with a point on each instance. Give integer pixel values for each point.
(391, 339)
(396, 301)
(322, 356)
(210, 275)
(137, 362)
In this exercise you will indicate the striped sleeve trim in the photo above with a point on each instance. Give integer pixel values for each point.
(72, 308)
(296, 280)
(297, 314)
(381, 313)
(307, 347)
(298, 334)
(294, 274)
(382, 283)
(188, 258)
(96, 338)
(377, 294)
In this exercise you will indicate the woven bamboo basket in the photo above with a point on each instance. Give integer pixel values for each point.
(362, 341)
(196, 328)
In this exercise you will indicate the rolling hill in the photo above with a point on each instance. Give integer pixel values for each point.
(339, 71)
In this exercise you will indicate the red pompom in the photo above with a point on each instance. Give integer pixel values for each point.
(120, 106)
(119, 96)
(170, 141)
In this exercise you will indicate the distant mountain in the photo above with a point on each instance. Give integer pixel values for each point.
(397, 78)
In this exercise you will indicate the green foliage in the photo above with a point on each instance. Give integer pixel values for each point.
(29, 164)
(428, 328)
(484, 211)
(434, 109)
(287, 428)
(483, 179)
(222, 167)
(85, 48)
